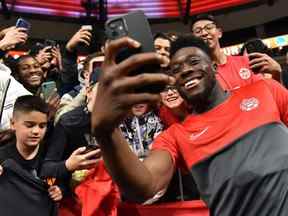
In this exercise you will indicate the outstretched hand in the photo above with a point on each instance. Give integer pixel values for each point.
(80, 159)
(115, 94)
(81, 36)
(13, 36)
(263, 63)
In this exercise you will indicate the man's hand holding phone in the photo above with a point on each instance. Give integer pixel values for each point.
(81, 158)
(117, 85)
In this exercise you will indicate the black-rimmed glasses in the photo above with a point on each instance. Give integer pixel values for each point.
(208, 28)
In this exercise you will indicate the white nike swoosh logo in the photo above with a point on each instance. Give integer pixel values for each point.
(195, 136)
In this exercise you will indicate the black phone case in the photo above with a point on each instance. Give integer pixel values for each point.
(136, 26)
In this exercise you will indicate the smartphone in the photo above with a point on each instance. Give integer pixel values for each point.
(87, 27)
(23, 24)
(136, 26)
(95, 63)
(48, 89)
(90, 147)
(50, 43)
(255, 45)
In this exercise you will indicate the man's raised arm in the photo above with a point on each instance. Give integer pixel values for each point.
(115, 96)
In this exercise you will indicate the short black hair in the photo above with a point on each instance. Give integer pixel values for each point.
(202, 17)
(30, 103)
(189, 41)
(15, 66)
(162, 35)
(171, 36)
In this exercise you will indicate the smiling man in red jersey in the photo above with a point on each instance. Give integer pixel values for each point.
(234, 143)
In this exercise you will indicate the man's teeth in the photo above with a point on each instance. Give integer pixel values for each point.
(192, 83)
(35, 77)
(171, 99)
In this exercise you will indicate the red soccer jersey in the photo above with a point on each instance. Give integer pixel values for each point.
(232, 75)
(201, 136)
(236, 73)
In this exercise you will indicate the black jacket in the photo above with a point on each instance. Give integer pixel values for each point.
(22, 192)
(71, 132)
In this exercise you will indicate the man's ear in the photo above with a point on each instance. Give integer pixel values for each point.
(12, 123)
(220, 32)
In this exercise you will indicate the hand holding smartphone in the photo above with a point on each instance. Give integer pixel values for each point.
(90, 148)
(48, 89)
(22, 23)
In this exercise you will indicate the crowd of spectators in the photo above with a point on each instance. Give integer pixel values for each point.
(47, 133)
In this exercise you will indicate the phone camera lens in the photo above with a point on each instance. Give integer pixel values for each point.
(113, 26)
(114, 33)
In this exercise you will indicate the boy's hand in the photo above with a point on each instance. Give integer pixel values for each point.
(1, 170)
(55, 193)
(115, 94)
(80, 160)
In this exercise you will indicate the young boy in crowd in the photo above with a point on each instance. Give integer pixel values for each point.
(29, 121)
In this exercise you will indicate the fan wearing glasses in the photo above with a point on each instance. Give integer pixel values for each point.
(232, 71)
(174, 108)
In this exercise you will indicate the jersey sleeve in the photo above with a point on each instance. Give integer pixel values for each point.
(280, 94)
(166, 141)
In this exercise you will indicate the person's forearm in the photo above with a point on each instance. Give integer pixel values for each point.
(133, 178)
(69, 63)
(55, 169)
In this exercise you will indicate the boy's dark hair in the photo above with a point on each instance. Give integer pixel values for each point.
(162, 35)
(189, 41)
(170, 36)
(29, 103)
(202, 17)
